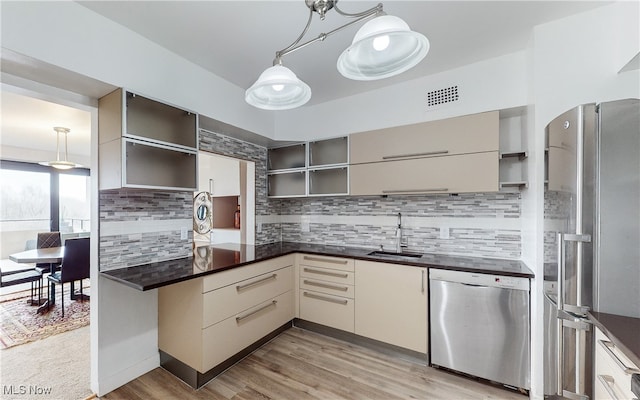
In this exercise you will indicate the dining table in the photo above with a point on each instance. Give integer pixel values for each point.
(48, 255)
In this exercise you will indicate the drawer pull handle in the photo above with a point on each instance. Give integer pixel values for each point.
(607, 381)
(428, 153)
(325, 285)
(259, 281)
(607, 348)
(272, 304)
(327, 260)
(315, 271)
(329, 299)
(416, 190)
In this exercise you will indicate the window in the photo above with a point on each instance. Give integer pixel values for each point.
(35, 198)
(75, 210)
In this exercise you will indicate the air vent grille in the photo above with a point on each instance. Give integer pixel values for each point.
(442, 96)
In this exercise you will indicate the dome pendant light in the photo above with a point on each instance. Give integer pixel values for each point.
(383, 47)
(58, 163)
(278, 88)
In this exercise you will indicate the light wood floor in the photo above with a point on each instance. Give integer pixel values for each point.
(300, 364)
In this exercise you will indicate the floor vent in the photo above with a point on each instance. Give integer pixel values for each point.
(441, 96)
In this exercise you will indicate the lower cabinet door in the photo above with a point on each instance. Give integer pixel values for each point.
(392, 304)
(326, 309)
(228, 337)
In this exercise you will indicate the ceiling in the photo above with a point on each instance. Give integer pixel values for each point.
(237, 40)
(28, 122)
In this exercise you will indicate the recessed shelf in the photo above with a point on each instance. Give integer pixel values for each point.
(513, 153)
(318, 168)
(521, 155)
(519, 185)
(287, 157)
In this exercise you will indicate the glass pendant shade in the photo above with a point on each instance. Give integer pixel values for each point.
(383, 47)
(58, 163)
(278, 88)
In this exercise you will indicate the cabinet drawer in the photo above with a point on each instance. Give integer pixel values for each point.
(325, 309)
(235, 275)
(230, 300)
(327, 275)
(228, 337)
(460, 135)
(451, 174)
(337, 289)
(610, 377)
(343, 264)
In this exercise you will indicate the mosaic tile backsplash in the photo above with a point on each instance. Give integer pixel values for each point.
(491, 205)
(118, 251)
(421, 237)
(137, 208)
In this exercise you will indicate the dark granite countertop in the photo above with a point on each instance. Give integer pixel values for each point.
(624, 332)
(211, 259)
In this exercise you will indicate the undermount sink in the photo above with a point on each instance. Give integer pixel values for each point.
(393, 254)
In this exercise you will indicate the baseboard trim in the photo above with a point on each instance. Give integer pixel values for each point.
(196, 379)
(384, 348)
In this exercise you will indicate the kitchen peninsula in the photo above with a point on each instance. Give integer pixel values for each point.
(225, 301)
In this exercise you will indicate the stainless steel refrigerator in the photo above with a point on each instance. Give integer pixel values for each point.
(592, 235)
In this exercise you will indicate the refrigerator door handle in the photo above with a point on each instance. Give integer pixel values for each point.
(560, 254)
(577, 310)
(561, 239)
(577, 237)
(559, 356)
(579, 325)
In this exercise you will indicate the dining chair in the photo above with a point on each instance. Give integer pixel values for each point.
(75, 265)
(24, 276)
(46, 240)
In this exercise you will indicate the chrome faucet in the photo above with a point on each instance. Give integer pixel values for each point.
(400, 243)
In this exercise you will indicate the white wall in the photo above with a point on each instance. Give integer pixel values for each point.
(574, 60)
(68, 35)
(492, 84)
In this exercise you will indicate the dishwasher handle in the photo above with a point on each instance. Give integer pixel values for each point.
(472, 285)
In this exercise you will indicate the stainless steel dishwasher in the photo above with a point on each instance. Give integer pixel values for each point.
(480, 325)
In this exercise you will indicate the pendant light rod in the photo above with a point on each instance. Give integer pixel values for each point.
(57, 143)
(362, 16)
(66, 145)
(384, 46)
(58, 163)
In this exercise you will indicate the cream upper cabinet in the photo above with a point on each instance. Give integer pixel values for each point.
(391, 304)
(218, 175)
(460, 135)
(451, 174)
(455, 155)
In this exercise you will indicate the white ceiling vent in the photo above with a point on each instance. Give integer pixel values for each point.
(439, 97)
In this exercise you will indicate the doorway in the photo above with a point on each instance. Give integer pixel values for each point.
(37, 199)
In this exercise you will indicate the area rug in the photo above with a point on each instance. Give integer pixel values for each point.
(21, 324)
